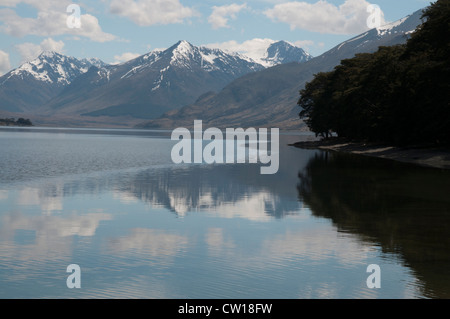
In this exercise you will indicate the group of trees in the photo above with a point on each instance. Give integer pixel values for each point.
(398, 95)
(12, 122)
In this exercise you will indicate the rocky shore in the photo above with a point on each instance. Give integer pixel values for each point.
(429, 156)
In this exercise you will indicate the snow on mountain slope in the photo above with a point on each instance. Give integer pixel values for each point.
(269, 98)
(152, 84)
(53, 68)
(390, 27)
(269, 53)
(282, 52)
(392, 33)
(143, 87)
(36, 82)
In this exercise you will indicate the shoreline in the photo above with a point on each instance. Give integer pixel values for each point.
(435, 157)
(15, 125)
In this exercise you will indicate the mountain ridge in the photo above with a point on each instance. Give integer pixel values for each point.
(144, 87)
(37, 81)
(269, 97)
(172, 87)
(152, 84)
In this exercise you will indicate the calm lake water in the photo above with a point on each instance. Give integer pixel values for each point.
(139, 226)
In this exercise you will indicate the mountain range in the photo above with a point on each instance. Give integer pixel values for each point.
(173, 87)
(54, 87)
(269, 97)
(33, 83)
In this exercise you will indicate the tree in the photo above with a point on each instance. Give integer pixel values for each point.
(399, 94)
(316, 107)
(23, 122)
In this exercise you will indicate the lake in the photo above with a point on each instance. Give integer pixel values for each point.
(140, 226)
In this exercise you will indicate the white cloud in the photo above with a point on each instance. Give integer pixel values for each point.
(40, 5)
(324, 17)
(216, 241)
(51, 20)
(91, 29)
(304, 43)
(56, 226)
(5, 65)
(308, 45)
(151, 242)
(220, 15)
(53, 236)
(51, 45)
(124, 57)
(317, 244)
(151, 12)
(28, 51)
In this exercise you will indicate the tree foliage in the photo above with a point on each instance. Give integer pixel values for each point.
(12, 122)
(399, 94)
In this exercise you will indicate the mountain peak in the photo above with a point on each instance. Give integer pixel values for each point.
(183, 42)
(182, 45)
(182, 53)
(54, 68)
(48, 54)
(282, 43)
(282, 52)
(94, 62)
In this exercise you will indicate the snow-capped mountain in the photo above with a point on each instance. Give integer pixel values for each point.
(37, 81)
(390, 34)
(268, 98)
(144, 87)
(53, 67)
(282, 52)
(94, 62)
(153, 83)
(184, 55)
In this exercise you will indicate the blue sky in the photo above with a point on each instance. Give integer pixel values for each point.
(117, 30)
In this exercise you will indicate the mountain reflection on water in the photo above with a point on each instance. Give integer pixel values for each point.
(142, 227)
(402, 208)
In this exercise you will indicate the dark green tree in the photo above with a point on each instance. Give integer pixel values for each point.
(399, 94)
(316, 105)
